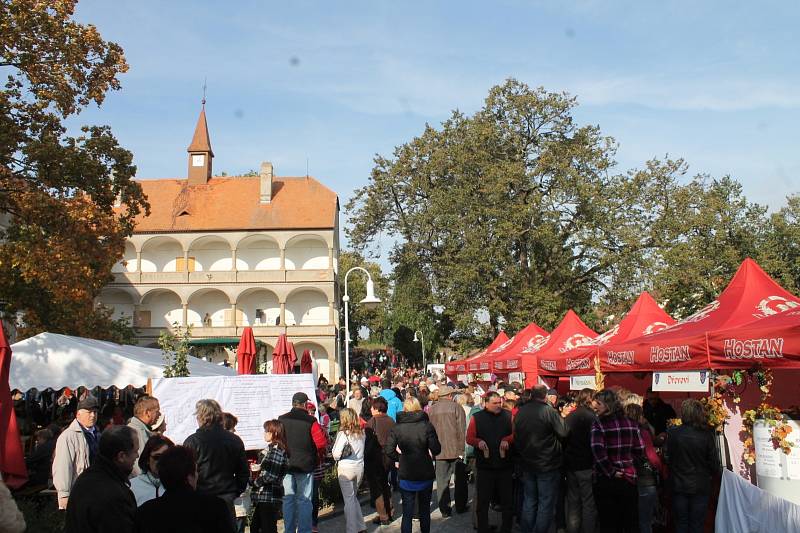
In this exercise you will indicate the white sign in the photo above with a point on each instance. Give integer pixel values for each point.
(516, 376)
(695, 381)
(253, 399)
(768, 459)
(463, 378)
(582, 382)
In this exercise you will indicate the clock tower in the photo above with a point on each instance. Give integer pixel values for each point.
(200, 154)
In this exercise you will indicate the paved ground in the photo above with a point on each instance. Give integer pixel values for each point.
(457, 523)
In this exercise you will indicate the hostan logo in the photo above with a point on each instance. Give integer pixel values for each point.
(578, 364)
(504, 345)
(606, 337)
(772, 305)
(579, 339)
(669, 354)
(547, 364)
(620, 358)
(655, 326)
(753, 348)
(534, 344)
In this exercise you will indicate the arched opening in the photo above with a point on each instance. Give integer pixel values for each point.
(258, 307)
(128, 261)
(119, 302)
(307, 307)
(161, 254)
(258, 253)
(160, 308)
(209, 308)
(307, 253)
(211, 254)
(319, 354)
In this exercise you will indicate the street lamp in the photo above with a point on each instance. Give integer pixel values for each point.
(370, 302)
(417, 339)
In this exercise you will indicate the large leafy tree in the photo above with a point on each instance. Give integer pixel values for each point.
(515, 214)
(60, 233)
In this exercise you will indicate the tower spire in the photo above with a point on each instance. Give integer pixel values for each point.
(200, 153)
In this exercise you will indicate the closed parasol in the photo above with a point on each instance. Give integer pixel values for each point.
(246, 353)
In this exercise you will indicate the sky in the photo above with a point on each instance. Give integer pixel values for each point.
(324, 86)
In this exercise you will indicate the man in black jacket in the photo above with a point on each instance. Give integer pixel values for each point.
(306, 442)
(222, 468)
(181, 508)
(490, 432)
(581, 510)
(101, 499)
(538, 430)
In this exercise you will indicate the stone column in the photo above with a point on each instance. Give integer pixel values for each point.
(138, 261)
(233, 316)
(233, 259)
(185, 315)
(331, 314)
(283, 259)
(283, 314)
(330, 258)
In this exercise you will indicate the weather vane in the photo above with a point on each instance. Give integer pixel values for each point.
(204, 90)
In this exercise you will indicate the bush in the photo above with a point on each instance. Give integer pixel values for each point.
(329, 491)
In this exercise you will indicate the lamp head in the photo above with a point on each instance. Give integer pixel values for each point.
(416, 339)
(370, 301)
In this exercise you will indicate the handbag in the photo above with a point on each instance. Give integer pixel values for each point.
(347, 449)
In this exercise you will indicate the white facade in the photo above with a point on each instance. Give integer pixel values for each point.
(218, 283)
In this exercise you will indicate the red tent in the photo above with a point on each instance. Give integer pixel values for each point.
(306, 366)
(12, 458)
(246, 353)
(644, 318)
(283, 357)
(569, 334)
(773, 341)
(750, 295)
(506, 358)
(459, 367)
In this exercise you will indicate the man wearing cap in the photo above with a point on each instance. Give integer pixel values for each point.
(450, 422)
(306, 442)
(146, 411)
(76, 447)
(552, 397)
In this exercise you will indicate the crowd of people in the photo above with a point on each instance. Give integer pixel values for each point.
(608, 461)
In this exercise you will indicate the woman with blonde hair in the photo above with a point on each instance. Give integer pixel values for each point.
(348, 451)
(418, 443)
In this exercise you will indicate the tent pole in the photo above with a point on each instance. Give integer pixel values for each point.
(149, 388)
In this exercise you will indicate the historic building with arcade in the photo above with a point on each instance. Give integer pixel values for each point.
(220, 253)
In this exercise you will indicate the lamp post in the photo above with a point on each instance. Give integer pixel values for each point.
(422, 344)
(370, 301)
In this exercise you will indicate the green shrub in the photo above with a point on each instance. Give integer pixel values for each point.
(41, 514)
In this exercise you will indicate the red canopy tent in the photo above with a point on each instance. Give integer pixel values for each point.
(246, 353)
(306, 365)
(12, 457)
(569, 334)
(644, 318)
(459, 367)
(526, 337)
(283, 357)
(750, 295)
(773, 341)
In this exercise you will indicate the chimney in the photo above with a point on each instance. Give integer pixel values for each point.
(266, 182)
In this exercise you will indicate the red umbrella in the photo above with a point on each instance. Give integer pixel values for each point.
(12, 458)
(305, 363)
(246, 353)
(283, 357)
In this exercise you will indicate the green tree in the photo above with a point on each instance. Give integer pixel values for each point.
(515, 214)
(780, 255)
(61, 233)
(175, 347)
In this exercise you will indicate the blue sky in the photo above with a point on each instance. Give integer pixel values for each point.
(333, 83)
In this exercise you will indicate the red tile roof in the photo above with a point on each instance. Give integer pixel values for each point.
(232, 203)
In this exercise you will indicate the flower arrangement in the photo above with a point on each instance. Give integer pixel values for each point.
(715, 411)
(778, 434)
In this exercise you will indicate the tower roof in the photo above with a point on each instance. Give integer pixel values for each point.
(201, 142)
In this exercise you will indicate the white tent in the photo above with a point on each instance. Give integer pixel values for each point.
(56, 361)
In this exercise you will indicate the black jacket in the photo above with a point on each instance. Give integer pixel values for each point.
(538, 431)
(417, 439)
(578, 446)
(221, 463)
(302, 450)
(184, 511)
(100, 501)
(492, 429)
(692, 458)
